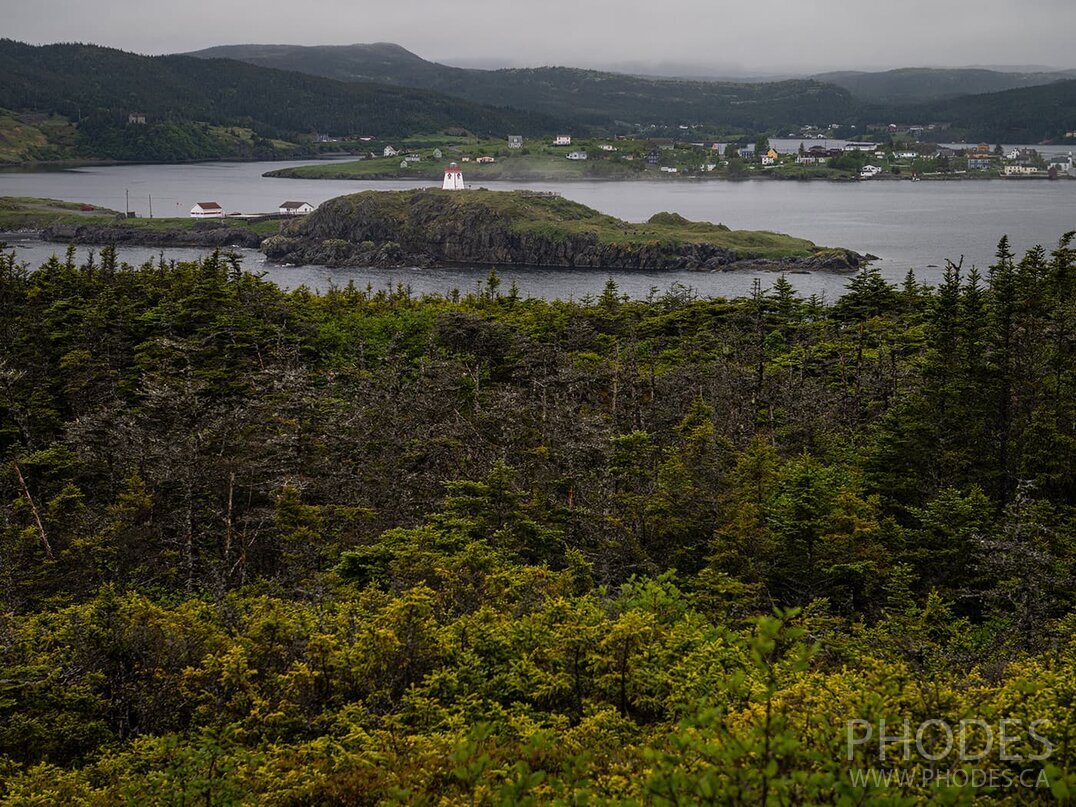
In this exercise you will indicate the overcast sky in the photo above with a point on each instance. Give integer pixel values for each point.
(768, 37)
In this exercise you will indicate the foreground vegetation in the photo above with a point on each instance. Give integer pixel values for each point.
(351, 548)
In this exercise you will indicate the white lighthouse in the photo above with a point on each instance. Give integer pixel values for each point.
(453, 178)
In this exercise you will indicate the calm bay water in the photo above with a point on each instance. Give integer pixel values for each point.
(909, 225)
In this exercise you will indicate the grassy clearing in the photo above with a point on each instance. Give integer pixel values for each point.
(28, 213)
(35, 139)
(551, 215)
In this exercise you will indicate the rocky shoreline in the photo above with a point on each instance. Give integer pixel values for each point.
(580, 252)
(433, 228)
(209, 234)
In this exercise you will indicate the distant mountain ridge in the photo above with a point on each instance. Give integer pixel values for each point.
(1041, 106)
(590, 97)
(391, 63)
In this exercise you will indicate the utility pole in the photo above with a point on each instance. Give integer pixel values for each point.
(127, 203)
(151, 205)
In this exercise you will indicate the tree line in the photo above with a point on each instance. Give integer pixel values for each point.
(364, 546)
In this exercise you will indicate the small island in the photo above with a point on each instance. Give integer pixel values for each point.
(431, 228)
(524, 228)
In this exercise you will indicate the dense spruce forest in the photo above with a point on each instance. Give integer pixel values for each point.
(361, 547)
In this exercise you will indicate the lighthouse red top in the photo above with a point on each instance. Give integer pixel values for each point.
(453, 178)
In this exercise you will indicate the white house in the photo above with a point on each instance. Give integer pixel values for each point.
(577, 155)
(869, 171)
(667, 169)
(1015, 170)
(515, 141)
(207, 210)
(768, 160)
(437, 155)
(390, 151)
(562, 140)
(606, 147)
(485, 159)
(413, 158)
(295, 208)
(453, 178)
(854, 146)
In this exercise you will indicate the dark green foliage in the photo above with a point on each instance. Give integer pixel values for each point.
(1025, 115)
(99, 87)
(273, 547)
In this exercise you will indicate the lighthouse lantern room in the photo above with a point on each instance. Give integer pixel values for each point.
(453, 178)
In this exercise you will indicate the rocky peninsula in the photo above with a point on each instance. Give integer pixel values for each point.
(210, 234)
(76, 223)
(521, 228)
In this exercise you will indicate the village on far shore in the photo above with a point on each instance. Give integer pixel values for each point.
(567, 157)
(855, 160)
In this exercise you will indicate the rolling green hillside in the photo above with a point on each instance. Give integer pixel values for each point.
(184, 97)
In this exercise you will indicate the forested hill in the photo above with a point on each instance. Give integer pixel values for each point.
(1024, 115)
(925, 84)
(586, 96)
(261, 547)
(101, 86)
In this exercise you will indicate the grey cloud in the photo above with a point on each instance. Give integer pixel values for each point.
(773, 37)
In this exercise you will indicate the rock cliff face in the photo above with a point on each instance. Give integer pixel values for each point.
(202, 234)
(436, 228)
